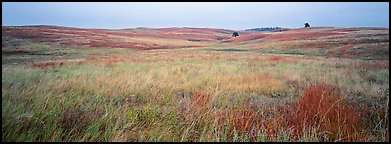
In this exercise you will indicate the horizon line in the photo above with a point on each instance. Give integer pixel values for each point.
(42, 25)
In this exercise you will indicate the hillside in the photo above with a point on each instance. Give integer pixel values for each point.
(135, 38)
(360, 43)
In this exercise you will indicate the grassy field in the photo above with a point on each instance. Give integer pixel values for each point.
(221, 92)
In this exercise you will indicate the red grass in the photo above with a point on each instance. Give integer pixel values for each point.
(200, 103)
(248, 121)
(243, 121)
(101, 37)
(275, 58)
(300, 35)
(196, 107)
(92, 58)
(321, 107)
(280, 59)
(48, 64)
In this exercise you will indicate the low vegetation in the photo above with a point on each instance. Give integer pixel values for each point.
(52, 92)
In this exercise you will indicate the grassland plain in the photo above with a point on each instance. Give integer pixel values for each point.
(255, 91)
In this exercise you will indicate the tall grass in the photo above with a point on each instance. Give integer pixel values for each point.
(229, 97)
(323, 108)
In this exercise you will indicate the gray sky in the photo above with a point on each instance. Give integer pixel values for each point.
(234, 15)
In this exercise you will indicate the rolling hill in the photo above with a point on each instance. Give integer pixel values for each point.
(360, 43)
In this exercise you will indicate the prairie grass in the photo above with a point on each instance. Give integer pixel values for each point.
(164, 41)
(192, 95)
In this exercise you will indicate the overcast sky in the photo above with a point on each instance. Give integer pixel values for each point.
(236, 16)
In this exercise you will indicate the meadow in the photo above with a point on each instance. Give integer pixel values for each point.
(252, 90)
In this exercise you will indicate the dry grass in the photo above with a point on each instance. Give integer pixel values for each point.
(190, 95)
(323, 108)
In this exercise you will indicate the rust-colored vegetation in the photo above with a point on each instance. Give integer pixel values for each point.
(48, 64)
(280, 59)
(323, 108)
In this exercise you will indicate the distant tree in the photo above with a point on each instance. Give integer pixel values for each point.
(235, 34)
(307, 25)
